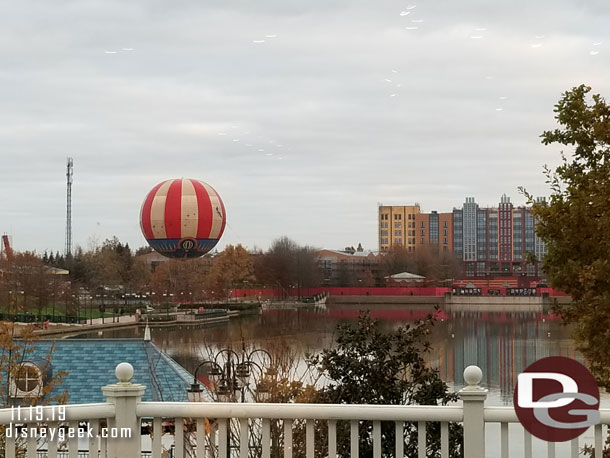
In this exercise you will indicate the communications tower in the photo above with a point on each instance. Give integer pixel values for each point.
(69, 166)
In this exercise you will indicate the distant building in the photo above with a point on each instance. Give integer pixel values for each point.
(153, 260)
(496, 240)
(349, 268)
(405, 279)
(434, 230)
(489, 241)
(405, 226)
(397, 226)
(540, 249)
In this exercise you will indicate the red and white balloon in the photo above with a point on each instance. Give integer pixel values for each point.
(183, 218)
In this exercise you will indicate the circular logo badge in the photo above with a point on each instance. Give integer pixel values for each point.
(187, 244)
(556, 399)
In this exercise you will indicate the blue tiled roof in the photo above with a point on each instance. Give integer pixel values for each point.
(90, 365)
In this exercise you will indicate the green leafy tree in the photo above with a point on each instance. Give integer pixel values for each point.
(369, 365)
(574, 222)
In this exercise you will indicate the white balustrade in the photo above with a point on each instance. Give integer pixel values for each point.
(232, 430)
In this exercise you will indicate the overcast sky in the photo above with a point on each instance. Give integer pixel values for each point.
(303, 115)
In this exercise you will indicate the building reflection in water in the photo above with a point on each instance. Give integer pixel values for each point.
(502, 344)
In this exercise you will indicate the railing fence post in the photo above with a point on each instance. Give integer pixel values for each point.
(473, 397)
(125, 397)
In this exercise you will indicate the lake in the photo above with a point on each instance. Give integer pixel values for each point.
(502, 344)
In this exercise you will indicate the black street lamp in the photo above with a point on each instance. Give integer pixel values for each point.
(231, 375)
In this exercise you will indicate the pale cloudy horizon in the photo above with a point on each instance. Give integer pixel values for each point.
(302, 116)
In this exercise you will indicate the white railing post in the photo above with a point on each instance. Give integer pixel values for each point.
(125, 397)
(473, 396)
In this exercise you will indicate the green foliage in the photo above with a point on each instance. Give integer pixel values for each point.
(574, 223)
(371, 366)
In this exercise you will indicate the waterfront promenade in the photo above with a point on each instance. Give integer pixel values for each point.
(123, 321)
(447, 302)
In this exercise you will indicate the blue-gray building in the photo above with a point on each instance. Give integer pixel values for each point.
(496, 240)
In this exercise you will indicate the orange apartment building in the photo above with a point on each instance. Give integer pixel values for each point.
(406, 226)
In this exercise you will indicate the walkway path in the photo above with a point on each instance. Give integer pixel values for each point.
(91, 325)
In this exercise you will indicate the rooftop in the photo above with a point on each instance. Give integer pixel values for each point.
(90, 364)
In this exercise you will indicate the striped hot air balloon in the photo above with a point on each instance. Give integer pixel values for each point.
(182, 218)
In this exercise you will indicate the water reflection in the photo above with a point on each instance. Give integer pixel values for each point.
(501, 343)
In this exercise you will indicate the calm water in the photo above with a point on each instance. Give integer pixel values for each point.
(502, 344)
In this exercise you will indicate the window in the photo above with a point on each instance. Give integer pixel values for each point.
(470, 270)
(410, 215)
(397, 233)
(445, 224)
(445, 241)
(445, 248)
(444, 231)
(421, 240)
(422, 224)
(27, 378)
(422, 232)
(27, 382)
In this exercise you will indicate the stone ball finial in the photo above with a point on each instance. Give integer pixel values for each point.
(473, 375)
(124, 372)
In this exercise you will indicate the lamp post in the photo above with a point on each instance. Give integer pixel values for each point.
(230, 374)
(65, 294)
(9, 294)
(103, 309)
(54, 296)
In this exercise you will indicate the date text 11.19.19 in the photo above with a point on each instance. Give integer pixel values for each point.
(38, 413)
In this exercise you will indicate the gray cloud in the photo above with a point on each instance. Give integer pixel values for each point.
(196, 90)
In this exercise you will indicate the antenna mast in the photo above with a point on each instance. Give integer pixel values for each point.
(69, 166)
